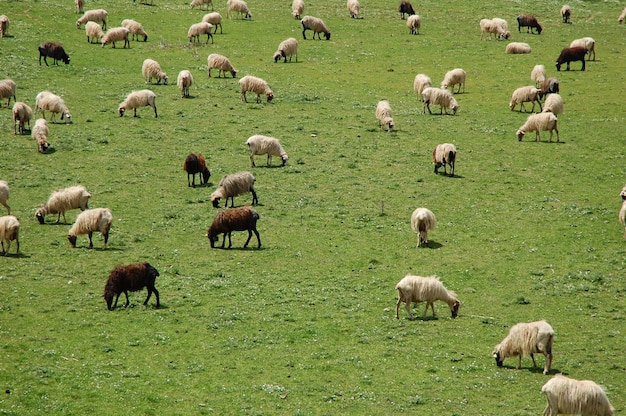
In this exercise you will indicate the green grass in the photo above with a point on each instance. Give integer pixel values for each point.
(306, 324)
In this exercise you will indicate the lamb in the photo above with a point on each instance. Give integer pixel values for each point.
(93, 31)
(405, 7)
(444, 154)
(518, 48)
(620, 19)
(553, 104)
(53, 50)
(566, 13)
(9, 231)
(383, 115)
(439, 96)
(261, 145)
(234, 185)
(539, 122)
(528, 94)
(538, 74)
(223, 65)
(568, 55)
(238, 6)
(184, 81)
(131, 277)
(79, 6)
(135, 28)
(588, 43)
(151, 69)
(621, 216)
(215, 19)
(46, 100)
(422, 220)
(524, 339)
(97, 219)
(256, 85)
(549, 86)
(22, 114)
(491, 26)
(200, 3)
(421, 82)
(297, 8)
(40, 133)
(528, 21)
(198, 29)
(454, 77)
(96, 15)
(569, 396)
(63, 200)
(4, 196)
(288, 47)
(315, 24)
(354, 8)
(136, 99)
(195, 163)
(415, 289)
(414, 22)
(116, 34)
(4, 25)
(7, 90)
(236, 219)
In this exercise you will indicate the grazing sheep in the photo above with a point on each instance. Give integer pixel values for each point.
(215, 19)
(79, 6)
(495, 28)
(198, 29)
(405, 7)
(566, 13)
(46, 100)
(528, 94)
(9, 231)
(539, 122)
(567, 396)
(553, 104)
(93, 31)
(4, 196)
(240, 7)
(439, 96)
(261, 145)
(234, 185)
(40, 133)
(131, 277)
(297, 8)
(97, 219)
(444, 154)
(420, 83)
(503, 24)
(288, 47)
(415, 289)
(526, 339)
(383, 115)
(96, 15)
(414, 22)
(4, 25)
(53, 50)
(62, 200)
(454, 77)
(517, 48)
(354, 8)
(257, 86)
(622, 211)
(528, 21)
(588, 43)
(151, 69)
(568, 55)
(223, 65)
(116, 34)
(236, 219)
(200, 3)
(315, 24)
(549, 86)
(538, 74)
(195, 163)
(135, 28)
(136, 99)
(622, 16)
(7, 90)
(22, 114)
(184, 81)
(422, 220)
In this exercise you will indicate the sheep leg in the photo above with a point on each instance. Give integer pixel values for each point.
(252, 161)
(582, 69)
(258, 237)
(155, 111)
(255, 200)
(127, 301)
(303, 35)
(407, 306)
(269, 160)
(398, 305)
(519, 364)
(5, 252)
(533, 358)
(248, 240)
(116, 299)
(548, 364)
(224, 240)
(106, 239)
(230, 242)
(90, 242)
(135, 113)
(243, 97)
(7, 207)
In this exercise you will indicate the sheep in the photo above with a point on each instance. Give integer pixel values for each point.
(518, 48)
(553, 104)
(588, 43)
(503, 24)
(93, 31)
(490, 26)
(444, 154)
(256, 85)
(568, 55)
(383, 115)
(234, 185)
(236, 219)
(88, 221)
(261, 145)
(528, 21)
(528, 94)
(569, 396)
(215, 19)
(136, 99)
(135, 28)
(9, 231)
(7, 90)
(4, 196)
(116, 34)
(151, 69)
(549, 86)
(130, 277)
(195, 163)
(539, 122)
(288, 47)
(622, 16)
(53, 50)
(96, 15)
(40, 133)
(4, 25)
(405, 7)
(22, 114)
(46, 100)
(297, 8)
(526, 338)
(184, 81)
(538, 74)
(414, 22)
(200, 3)
(621, 216)
(415, 289)
(315, 24)
(353, 8)
(79, 6)
(439, 96)
(62, 200)
(422, 220)
(239, 6)
(223, 65)
(454, 77)
(198, 29)
(566, 13)
(421, 82)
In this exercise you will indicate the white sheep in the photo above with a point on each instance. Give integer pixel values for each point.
(441, 97)
(539, 122)
(414, 22)
(315, 24)
(96, 15)
(257, 86)
(238, 6)
(184, 81)
(46, 100)
(622, 16)
(234, 185)
(4, 25)
(567, 396)
(151, 69)
(421, 82)
(200, 3)
(588, 43)
(528, 94)
(415, 289)
(93, 31)
(221, 63)
(538, 74)
(422, 220)
(288, 47)
(40, 133)
(7, 90)
(622, 211)
(136, 99)
(136, 29)
(444, 154)
(518, 48)
(4, 196)
(353, 8)
(526, 338)
(88, 221)
(384, 115)
(61, 200)
(22, 114)
(261, 145)
(553, 104)
(116, 34)
(499, 29)
(215, 19)
(504, 25)
(454, 77)
(297, 8)
(9, 231)
(198, 29)
(79, 6)
(566, 13)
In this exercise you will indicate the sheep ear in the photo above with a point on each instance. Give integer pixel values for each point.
(494, 355)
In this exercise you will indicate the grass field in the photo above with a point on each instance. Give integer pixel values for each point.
(306, 325)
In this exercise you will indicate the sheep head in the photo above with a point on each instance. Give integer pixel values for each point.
(67, 117)
(520, 134)
(213, 238)
(108, 297)
(623, 194)
(277, 56)
(327, 35)
(206, 174)
(497, 356)
(270, 96)
(40, 215)
(121, 110)
(455, 309)
(285, 158)
(72, 240)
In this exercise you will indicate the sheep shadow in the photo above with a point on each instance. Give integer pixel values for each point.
(18, 255)
(50, 150)
(450, 176)
(433, 245)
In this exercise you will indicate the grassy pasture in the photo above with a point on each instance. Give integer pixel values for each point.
(306, 324)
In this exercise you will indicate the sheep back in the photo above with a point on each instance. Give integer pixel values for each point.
(236, 219)
(130, 278)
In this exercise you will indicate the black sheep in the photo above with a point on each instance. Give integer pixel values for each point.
(568, 55)
(528, 21)
(405, 8)
(236, 219)
(132, 277)
(195, 163)
(53, 50)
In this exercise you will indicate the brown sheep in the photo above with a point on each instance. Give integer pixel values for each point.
(528, 21)
(132, 277)
(236, 219)
(568, 55)
(195, 163)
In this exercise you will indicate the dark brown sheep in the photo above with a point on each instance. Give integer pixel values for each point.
(195, 163)
(53, 50)
(236, 219)
(132, 277)
(528, 21)
(568, 55)
(549, 86)
(405, 8)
